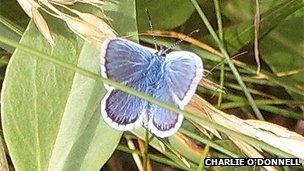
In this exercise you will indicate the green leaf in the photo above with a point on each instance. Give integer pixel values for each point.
(4, 30)
(124, 19)
(165, 14)
(50, 115)
(240, 10)
(239, 35)
(283, 49)
(12, 11)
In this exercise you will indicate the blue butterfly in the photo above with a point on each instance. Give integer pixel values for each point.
(171, 77)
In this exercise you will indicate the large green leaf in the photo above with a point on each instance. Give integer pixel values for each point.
(50, 115)
(239, 35)
(240, 10)
(282, 45)
(283, 49)
(165, 14)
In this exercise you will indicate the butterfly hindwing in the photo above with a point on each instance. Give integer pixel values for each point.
(122, 110)
(163, 122)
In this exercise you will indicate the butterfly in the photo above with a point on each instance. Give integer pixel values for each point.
(171, 77)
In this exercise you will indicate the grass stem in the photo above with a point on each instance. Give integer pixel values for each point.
(229, 61)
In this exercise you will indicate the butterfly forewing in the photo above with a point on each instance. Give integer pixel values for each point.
(124, 60)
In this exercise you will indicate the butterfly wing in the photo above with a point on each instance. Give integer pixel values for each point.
(123, 61)
(183, 71)
(121, 110)
(163, 122)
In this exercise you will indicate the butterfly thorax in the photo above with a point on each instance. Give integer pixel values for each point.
(155, 72)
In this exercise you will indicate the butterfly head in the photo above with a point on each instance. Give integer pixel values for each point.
(161, 53)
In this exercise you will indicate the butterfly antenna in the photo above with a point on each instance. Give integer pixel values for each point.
(151, 27)
(181, 40)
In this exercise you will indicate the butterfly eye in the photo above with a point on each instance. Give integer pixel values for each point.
(163, 55)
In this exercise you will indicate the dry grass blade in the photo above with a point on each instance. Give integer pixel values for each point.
(189, 144)
(26, 6)
(195, 108)
(182, 158)
(47, 4)
(134, 155)
(64, 2)
(256, 35)
(87, 26)
(278, 136)
(96, 2)
(31, 9)
(71, 2)
(172, 34)
(142, 148)
(83, 29)
(211, 85)
(96, 22)
(246, 148)
(250, 151)
(42, 26)
(289, 73)
(272, 134)
(300, 86)
(3, 159)
(204, 129)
